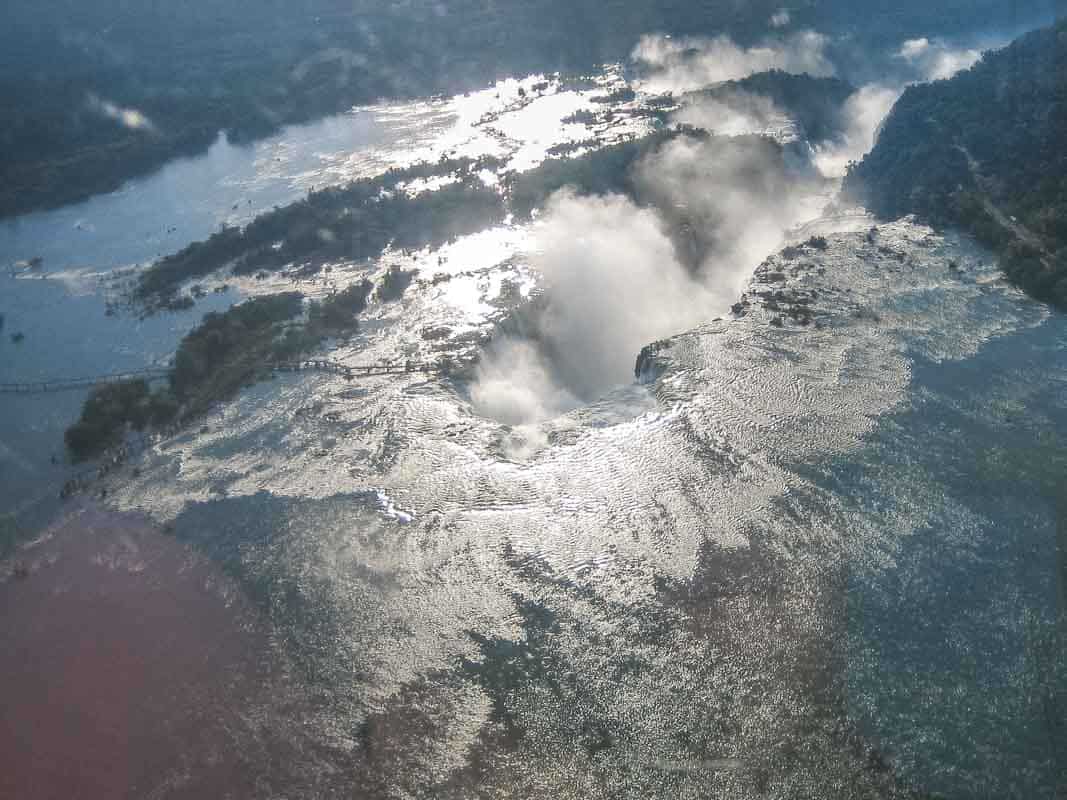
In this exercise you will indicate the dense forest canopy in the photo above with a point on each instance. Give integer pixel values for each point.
(986, 150)
(69, 69)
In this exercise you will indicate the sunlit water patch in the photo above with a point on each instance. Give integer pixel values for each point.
(672, 587)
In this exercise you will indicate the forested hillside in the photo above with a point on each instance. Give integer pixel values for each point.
(71, 70)
(986, 150)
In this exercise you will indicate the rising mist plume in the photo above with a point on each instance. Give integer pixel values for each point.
(681, 65)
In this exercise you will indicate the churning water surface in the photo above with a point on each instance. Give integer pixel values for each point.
(790, 560)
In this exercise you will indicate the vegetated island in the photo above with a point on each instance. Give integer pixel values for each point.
(225, 352)
(985, 151)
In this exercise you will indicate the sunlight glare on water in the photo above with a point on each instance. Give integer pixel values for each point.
(663, 588)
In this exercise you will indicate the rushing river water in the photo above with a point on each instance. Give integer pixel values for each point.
(791, 560)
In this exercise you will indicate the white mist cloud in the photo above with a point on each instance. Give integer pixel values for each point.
(936, 59)
(616, 285)
(680, 65)
(781, 18)
(127, 117)
(735, 197)
(864, 111)
(515, 384)
(613, 285)
(619, 276)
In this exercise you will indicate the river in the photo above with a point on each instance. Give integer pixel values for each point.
(808, 556)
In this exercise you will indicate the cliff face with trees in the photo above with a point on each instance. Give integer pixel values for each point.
(987, 151)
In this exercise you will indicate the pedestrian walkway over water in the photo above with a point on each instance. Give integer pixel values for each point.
(348, 371)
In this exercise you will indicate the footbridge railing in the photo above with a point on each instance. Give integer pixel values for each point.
(69, 384)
